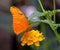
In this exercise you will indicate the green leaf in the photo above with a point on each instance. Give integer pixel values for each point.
(36, 14)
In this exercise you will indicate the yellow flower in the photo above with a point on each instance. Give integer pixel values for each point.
(32, 37)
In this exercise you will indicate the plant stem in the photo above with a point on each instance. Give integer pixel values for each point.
(41, 5)
(53, 28)
(54, 2)
(49, 19)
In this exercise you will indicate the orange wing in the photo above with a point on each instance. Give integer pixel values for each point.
(20, 22)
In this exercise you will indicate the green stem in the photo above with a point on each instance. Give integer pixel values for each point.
(54, 2)
(49, 20)
(41, 5)
(53, 28)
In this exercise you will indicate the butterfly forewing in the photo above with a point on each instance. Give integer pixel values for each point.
(20, 22)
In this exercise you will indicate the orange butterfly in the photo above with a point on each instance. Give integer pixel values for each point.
(20, 22)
